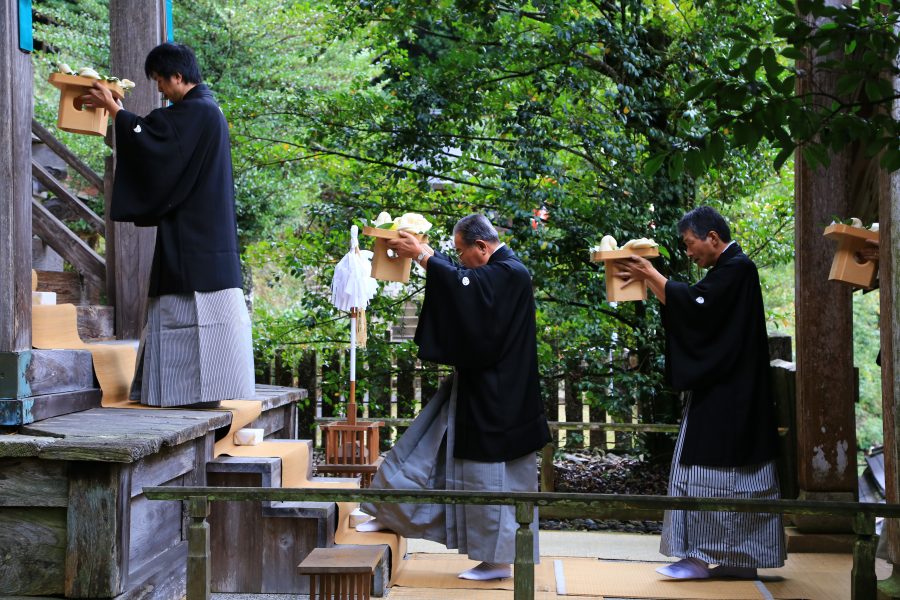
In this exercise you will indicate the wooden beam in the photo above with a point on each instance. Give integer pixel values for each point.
(71, 247)
(826, 419)
(135, 28)
(62, 151)
(97, 530)
(16, 106)
(62, 192)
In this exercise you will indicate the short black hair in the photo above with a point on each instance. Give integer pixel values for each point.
(702, 220)
(168, 59)
(475, 227)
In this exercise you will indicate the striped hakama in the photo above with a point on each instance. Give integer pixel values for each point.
(750, 540)
(423, 459)
(196, 348)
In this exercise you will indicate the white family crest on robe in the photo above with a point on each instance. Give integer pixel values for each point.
(700, 300)
(465, 281)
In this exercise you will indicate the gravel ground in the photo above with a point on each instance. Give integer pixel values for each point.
(597, 473)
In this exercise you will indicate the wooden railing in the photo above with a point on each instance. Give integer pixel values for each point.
(863, 579)
(52, 230)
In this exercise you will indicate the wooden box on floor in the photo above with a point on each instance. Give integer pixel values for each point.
(71, 117)
(343, 573)
(384, 266)
(616, 289)
(844, 267)
(352, 449)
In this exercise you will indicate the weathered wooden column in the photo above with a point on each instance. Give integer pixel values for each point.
(889, 220)
(826, 421)
(16, 107)
(135, 28)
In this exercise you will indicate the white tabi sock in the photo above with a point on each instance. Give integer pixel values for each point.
(486, 571)
(371, 525)
(686, 568)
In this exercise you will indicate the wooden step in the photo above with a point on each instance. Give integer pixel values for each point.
(68, 286)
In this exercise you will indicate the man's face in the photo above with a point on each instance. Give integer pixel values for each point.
(473, 256)
(169, 87)
(703, 252)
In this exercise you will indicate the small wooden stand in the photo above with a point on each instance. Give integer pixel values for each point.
(616, 289)
(844, 266)
(341, 573)
(384, 266)
(71, 116)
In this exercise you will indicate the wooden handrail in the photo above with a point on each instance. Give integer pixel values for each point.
(863, 580)
(60, 191)
(66, 155)
(68, 245)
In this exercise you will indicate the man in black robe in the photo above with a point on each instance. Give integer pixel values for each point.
(173, 171)
(717, 352)
(481, 429)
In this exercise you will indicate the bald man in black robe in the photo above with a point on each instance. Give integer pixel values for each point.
(482, 428)
(717, 353)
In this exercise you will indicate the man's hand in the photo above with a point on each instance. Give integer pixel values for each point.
(634, 268)
(406, 246)
(100, 96)
(638, 268)
(867, 253)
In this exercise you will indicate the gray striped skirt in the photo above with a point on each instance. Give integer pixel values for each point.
(195, 348)
(751, 540)
(423, 459)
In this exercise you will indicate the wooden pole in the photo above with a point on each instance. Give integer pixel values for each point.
(826, 421)
(16, 107)
(523, 577)
(135, 28)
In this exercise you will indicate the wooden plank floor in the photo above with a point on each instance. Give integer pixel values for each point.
(125, 434)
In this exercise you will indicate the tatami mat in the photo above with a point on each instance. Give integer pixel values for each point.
(439, 572)
(804, 577)
(587, 577)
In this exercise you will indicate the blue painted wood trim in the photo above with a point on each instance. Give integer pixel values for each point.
(15, 412)
(26, 37)
(170, 29)
(13, 369)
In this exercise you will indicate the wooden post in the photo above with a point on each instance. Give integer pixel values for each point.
(863, 580)
(98, 529)
(523, 578)
(548, 471)
(826, 422)
(135, 28)
(889, 220)
(198, 568)
(16, 106)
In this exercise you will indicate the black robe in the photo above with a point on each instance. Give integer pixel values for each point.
(173, 171)
(482, 322)
(717, 347)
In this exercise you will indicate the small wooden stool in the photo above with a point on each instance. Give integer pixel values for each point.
(343, 573)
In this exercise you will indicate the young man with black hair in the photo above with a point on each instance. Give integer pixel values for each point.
(173, 171)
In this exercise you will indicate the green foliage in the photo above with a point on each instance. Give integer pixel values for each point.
(778, 89)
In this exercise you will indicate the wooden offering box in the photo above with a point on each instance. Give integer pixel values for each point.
(384, 266)
(616, 290)
(844, 267)
(71, 117)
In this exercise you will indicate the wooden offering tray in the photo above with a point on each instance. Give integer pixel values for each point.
(71, 116)
(616, 290)
(384, 266)
(844, 267)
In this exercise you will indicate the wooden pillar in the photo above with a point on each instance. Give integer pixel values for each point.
(16, 107)
(826, 422)
(135, 28)
(889, 221)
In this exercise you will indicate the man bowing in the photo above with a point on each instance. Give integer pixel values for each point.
(717, 353)
(482, 427)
